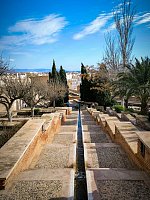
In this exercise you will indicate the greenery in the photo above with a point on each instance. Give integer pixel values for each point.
(135, 81)
(95, 85)
(36, 111)
(131, 110)
(58, 82)
(53, 74)
(63, 78)
(118, 108)
(86, 93)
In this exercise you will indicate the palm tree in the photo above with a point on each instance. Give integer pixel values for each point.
(136, 81)
(121, 89)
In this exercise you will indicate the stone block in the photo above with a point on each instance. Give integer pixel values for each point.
(17, 154)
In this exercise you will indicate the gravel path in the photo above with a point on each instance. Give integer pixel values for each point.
(123, 190)
(99, 138)
(110, 157)
(53, 157)
(34, 190)
(122, 184)
(65, 139)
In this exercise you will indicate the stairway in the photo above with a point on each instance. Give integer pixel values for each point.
(51, 175)
(110, 173)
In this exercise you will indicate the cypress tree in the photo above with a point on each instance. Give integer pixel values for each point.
(85, 84)
(83, 69)
(54, 73)
(62, 75)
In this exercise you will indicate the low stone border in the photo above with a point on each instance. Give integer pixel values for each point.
(17, 154)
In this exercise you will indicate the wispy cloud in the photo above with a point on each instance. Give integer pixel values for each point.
(34, 31)
(104, 22)
(11, 60)
(94, 26)
(142, 18)
(111, 27)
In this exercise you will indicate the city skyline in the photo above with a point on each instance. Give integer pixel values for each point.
(33, 33)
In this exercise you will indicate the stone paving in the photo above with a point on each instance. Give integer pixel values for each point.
(53, 156)
(65, 139)
(91, 137)
(110, 173)
(50, 177)
(41, 190)
(110, 157)
(123, 189)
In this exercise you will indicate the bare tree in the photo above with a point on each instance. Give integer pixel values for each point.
(111, 56)
(124, 16)
(36, 92)
(56, 89)
(11, 89)
(4, 66)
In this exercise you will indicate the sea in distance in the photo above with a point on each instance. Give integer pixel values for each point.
(40, 70)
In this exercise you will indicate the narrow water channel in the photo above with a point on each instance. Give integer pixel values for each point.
(80, 185)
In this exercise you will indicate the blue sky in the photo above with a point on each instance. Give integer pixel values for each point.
(33, 33)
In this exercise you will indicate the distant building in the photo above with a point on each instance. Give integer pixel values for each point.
(73, 80)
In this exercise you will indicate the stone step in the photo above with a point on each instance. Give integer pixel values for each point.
(90, 128)
(112, 183)
(107, 156)
(96, 138)
(66, 128)
(65, 139)
(109, 171)
(89, 122)
(42, 184)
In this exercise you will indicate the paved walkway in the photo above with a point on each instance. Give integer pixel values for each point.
(51, 174)
(110, 173)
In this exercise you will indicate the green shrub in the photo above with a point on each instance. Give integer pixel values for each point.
(131, 110)
(118, 108)
(36, 111)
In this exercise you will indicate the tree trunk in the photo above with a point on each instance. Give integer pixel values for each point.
(144, 107)
(32, 111)
(9, 114)
(122, 101)
(54, 104)
(126, 103)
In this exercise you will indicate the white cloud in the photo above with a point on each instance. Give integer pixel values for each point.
(11, 60)
(94, 26)
(105, 23)
(34, 31)
(111, 27)
(142, 19)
